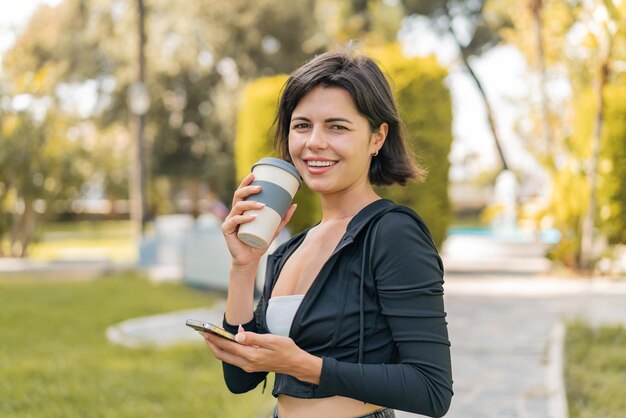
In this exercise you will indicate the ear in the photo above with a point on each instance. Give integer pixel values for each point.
(378, 138)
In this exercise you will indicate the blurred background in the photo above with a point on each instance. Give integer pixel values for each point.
(118, 113)
(125, 126)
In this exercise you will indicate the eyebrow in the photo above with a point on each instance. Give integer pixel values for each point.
(327, 120)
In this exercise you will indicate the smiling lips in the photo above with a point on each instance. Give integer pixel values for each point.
(317, 163)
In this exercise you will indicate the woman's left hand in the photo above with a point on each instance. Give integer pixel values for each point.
(266, 353)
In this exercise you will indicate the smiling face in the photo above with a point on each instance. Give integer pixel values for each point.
(331, 143)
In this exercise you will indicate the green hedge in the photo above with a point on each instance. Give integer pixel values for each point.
(425, 106)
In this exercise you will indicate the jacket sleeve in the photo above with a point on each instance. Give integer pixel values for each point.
(409, 282)
(238, 380)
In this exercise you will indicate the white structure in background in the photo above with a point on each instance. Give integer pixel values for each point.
(193, 251)
(167, 246)
(206, 259)
(504, 224)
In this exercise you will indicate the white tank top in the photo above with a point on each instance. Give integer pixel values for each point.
(280, 313)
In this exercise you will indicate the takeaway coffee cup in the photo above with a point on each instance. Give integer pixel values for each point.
(279, 182)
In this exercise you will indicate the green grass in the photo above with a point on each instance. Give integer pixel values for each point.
(111, 240)
(55, 360)
(595, 371)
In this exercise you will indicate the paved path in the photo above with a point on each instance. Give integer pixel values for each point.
(500, 349)
(503, 314)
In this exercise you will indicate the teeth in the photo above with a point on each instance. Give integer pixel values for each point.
(320, 163)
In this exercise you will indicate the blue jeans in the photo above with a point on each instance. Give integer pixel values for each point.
(381, 413)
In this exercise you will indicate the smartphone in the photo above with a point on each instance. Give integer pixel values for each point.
(208, 327)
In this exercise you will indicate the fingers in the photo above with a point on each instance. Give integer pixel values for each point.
(252, 352)
(233, 353)
(290, 213)
(285, 220)
(245, 189)
(223, 355)
(252, 339)
(246, 180)
(239, 216)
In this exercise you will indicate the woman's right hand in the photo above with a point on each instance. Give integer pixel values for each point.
(243, 255)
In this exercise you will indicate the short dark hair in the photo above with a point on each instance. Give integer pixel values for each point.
(362, 78)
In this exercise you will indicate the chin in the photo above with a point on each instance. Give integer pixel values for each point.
(318, 186)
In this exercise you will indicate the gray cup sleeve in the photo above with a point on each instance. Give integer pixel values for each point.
(273, 196)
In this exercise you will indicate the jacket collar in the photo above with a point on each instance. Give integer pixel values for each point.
(356, 224)
(364, 216)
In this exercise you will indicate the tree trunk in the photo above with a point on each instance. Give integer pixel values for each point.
(22, 231)
(138, 178)
(3, 226)
(490, 116)
(28, 228)
(588, 226)
(536, 7)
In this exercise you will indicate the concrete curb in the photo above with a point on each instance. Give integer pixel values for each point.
(163, 330)
(555, 384)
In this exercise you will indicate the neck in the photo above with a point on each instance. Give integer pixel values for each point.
(347, 203)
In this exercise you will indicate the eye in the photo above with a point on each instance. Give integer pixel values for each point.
(302, 125)
(337, 127)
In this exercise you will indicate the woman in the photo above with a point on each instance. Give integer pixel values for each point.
(351, 319)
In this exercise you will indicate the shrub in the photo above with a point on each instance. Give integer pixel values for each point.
(570, 198)
(425, 106)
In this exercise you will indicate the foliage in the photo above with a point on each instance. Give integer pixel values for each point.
(480, 29)
(473, 32)
(79, 58)
(611, 214)
(255, 140)
(595, 365)
(373, 22)
(612, 184)
(39, 165)
(60, 363)
(570, 186)
(569, 43)
(425, 106)
(196, 57)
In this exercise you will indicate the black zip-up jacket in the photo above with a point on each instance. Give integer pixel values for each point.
(394, 318)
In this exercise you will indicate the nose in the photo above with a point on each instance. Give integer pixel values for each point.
(316, 139)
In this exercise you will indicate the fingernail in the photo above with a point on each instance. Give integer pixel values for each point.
(240, 334)
(257, 187)
(260, 204)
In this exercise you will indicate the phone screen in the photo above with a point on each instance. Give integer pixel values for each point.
(208, 327)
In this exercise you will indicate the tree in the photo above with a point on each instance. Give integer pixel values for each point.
(198, 57)
(579, 49)
(39, 166)
(474, 32)
(606, 19)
